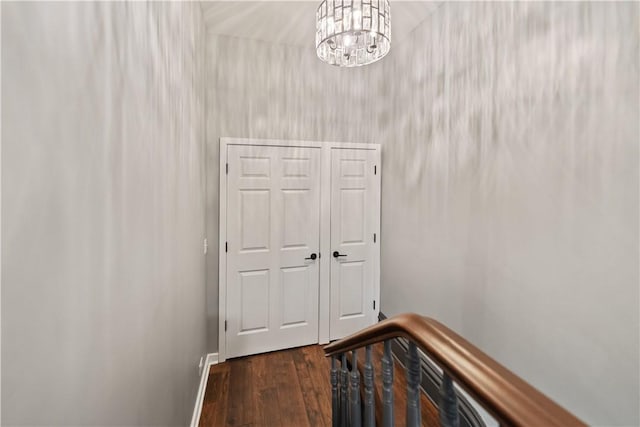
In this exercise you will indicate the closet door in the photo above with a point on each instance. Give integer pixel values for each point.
(273, 232)
(355, 210)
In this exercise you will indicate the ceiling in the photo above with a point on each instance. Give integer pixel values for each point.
(293, 22)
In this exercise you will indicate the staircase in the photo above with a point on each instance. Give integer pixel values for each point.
(376, 377)
(508, 398)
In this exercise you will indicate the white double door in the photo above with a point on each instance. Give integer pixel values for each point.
(273, 258)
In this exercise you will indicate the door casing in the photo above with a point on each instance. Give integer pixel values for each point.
(325, 229)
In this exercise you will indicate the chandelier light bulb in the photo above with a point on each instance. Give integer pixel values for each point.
(348, 41)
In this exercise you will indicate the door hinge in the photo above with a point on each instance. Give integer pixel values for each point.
(226, 246)
(225, 326)
(374, 304)
(227, 168)
(374, 237)
(375, 169)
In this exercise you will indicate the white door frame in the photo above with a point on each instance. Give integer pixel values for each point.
(325, 229)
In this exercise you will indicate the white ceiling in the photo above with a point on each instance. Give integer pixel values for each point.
(293, 22)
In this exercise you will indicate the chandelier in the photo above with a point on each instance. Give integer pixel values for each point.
(350, 33)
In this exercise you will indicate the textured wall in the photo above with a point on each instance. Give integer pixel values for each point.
(103, 313)
(262, 90)
(510, 191)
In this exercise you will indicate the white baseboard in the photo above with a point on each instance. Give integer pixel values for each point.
(212, 359)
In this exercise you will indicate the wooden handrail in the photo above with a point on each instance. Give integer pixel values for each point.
(510, 399)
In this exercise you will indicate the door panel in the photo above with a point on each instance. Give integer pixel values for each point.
(352, 216)
(254, 289)
(294, 222)
(354, 211)
(254, 223)
(273, 205)
(352, 293)
(294, 294)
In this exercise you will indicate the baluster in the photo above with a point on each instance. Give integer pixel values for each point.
(335, 397)
(448, 403)
(369, 401)
(356, 414)
(413, 383)
(387, 386)
(344, 377)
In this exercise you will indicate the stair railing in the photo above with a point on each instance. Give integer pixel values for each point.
(507, 397)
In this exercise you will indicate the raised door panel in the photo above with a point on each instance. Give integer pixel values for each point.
(255, 225)
(255, 166)
(294, 218)
(352, 289)
(254, 291)
(352, 216)
(294, 296)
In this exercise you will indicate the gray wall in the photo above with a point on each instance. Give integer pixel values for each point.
(262, 90)
(510, 191)
(103, 292)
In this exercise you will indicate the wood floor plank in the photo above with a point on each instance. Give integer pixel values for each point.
(267, 397)
(291, 401)
(309, 395)
(241, 406)
(220, 410)
(214, 405)
(318, 366)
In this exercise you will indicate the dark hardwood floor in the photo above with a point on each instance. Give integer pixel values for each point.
(285, 388)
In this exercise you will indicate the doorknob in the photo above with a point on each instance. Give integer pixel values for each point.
(337, 254)
(312, 257)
